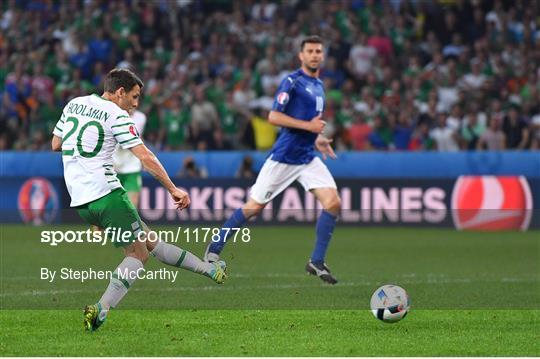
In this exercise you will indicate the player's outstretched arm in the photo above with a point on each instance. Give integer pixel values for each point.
(56, 143)
(315, 125)
(152, 165)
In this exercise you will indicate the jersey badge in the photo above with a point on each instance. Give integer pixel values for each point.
(133, 131)
(282, 98)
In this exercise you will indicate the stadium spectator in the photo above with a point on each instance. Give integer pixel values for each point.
(402, 132)
(204, 120)
(382, 43)
(361, 57)
(220, 143)
(445, 136)
(420, 139)
(100, 47)
(454, 120)
(333, 72)
(515, 130)
(448, 93)
(191, 170)
(246, 169)
(358, 134)
(535, 135)
(381, 135)
(475, 80)
(264, 133)
(175, 127)
(493, 138)
(471, 131)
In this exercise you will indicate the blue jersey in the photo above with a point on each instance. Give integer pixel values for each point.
(302, 97)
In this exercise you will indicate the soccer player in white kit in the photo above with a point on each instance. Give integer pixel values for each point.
(87, 135)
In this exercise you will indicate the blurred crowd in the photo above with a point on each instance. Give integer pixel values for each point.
(399, 75)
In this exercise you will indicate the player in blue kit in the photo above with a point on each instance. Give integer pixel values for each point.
(297, 108)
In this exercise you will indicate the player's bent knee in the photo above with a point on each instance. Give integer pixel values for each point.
(143, 256)
(137, 250)
(333, 205)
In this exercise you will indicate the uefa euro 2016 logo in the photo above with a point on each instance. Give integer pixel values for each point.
(38, 201)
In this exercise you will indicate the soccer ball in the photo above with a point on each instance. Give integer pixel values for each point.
(390, 303)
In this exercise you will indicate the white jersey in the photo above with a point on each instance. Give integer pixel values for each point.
(90, 128)
(124, 161)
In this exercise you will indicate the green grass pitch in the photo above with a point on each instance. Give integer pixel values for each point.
(472, 294)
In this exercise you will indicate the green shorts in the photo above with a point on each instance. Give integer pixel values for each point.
(132, 182)
(116, 212)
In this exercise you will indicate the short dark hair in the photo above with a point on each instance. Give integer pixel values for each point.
(313, 39)
(117, 78)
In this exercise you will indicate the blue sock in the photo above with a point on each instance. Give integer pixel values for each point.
(325, 228)
(237, 220)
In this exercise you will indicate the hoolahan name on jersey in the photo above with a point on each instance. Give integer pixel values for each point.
(87, 111)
